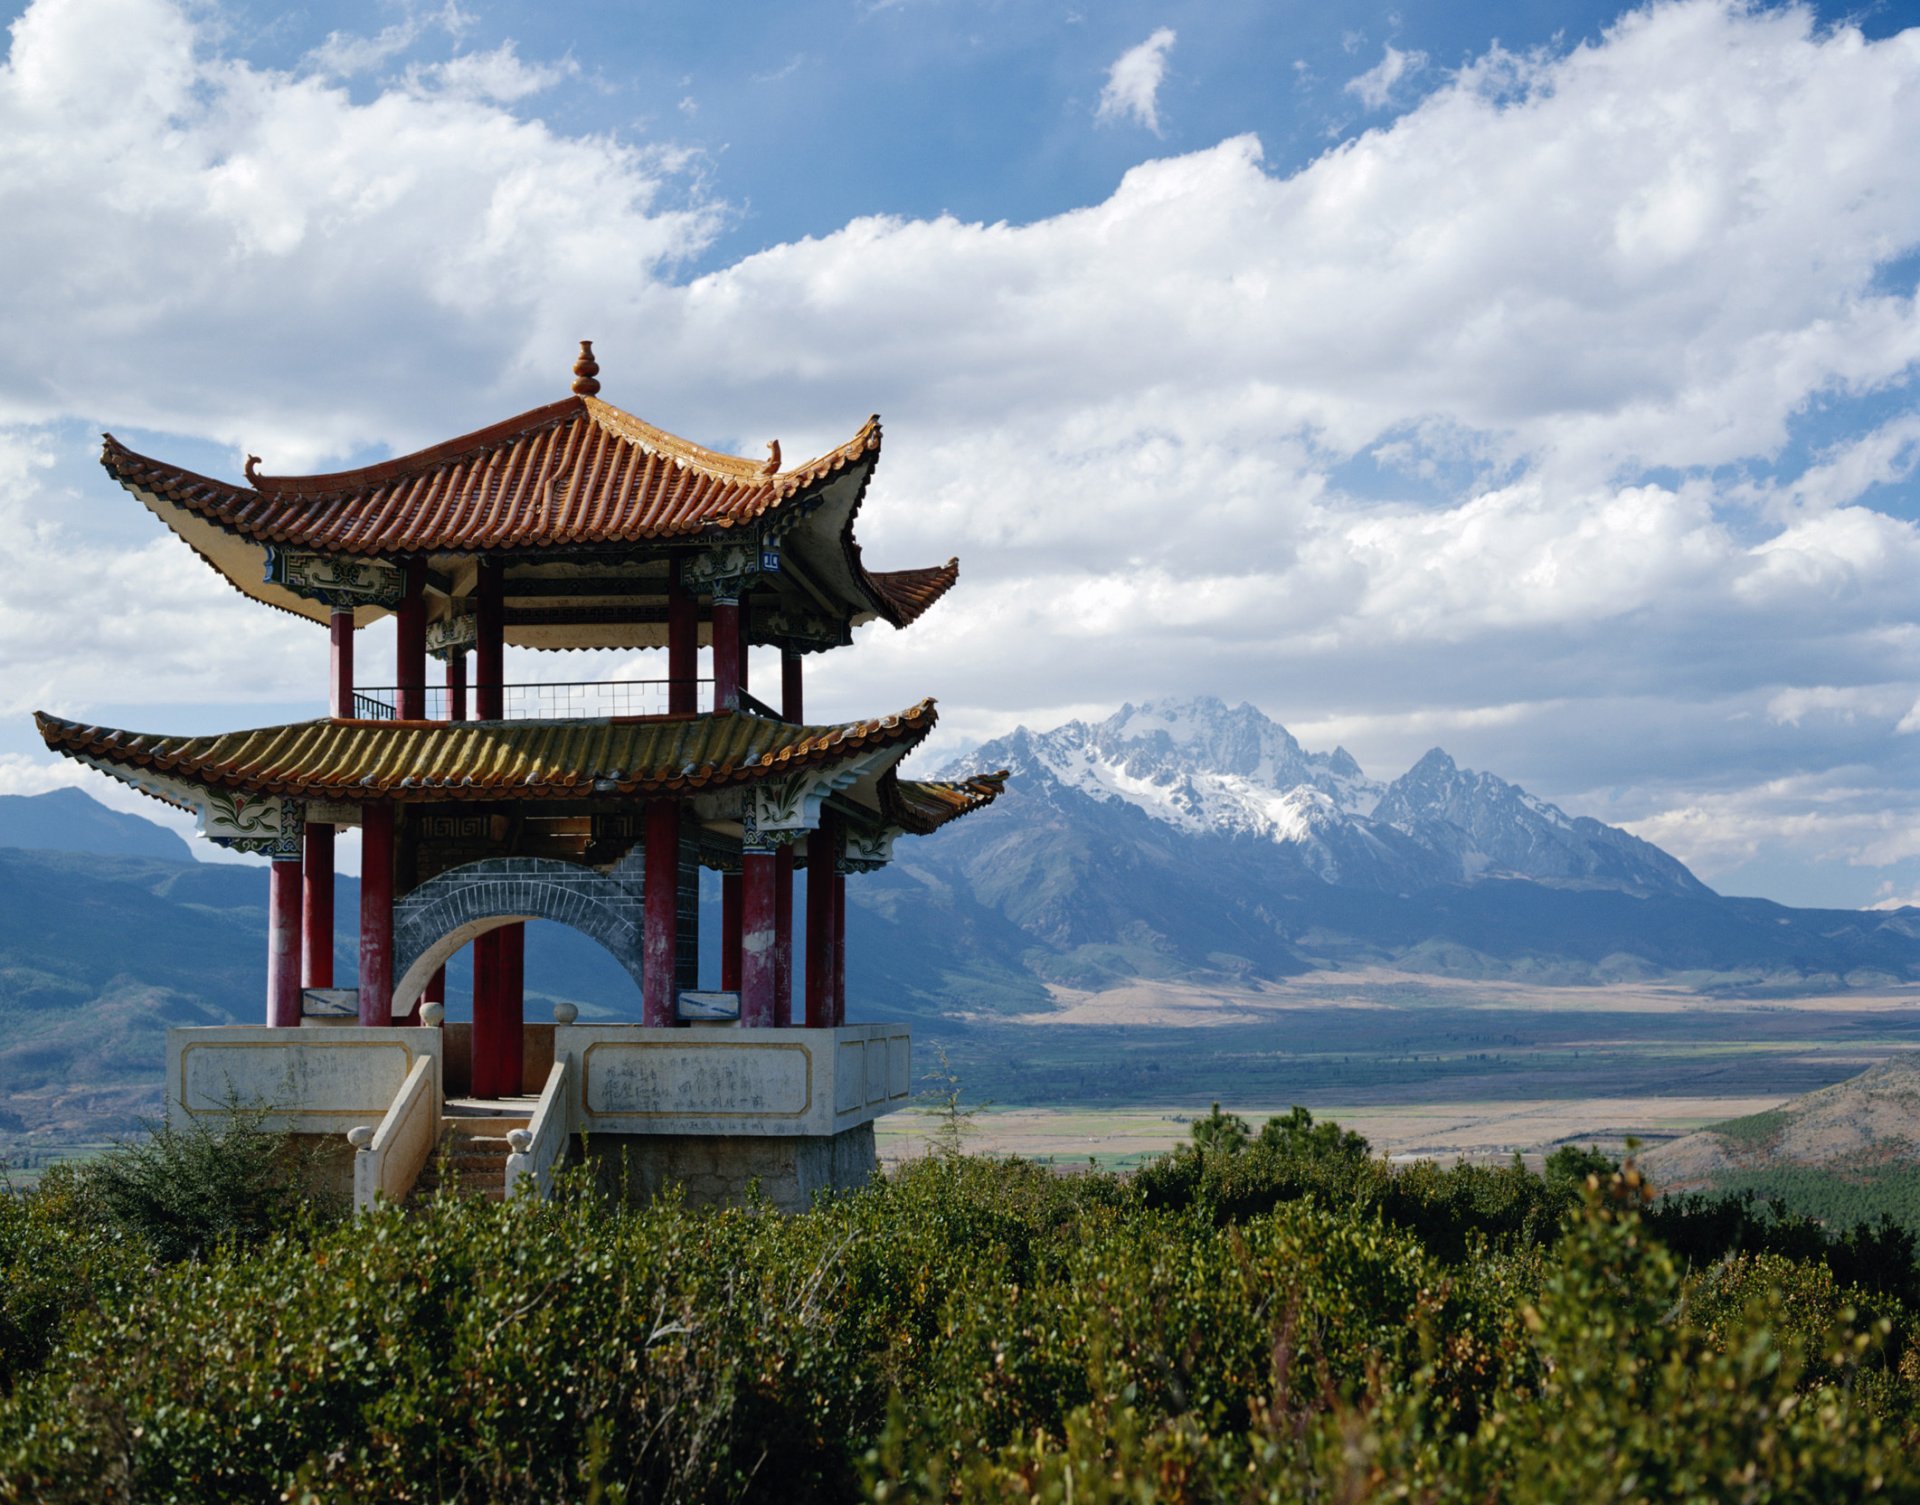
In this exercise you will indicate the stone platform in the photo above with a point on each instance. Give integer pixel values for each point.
(712, 1108)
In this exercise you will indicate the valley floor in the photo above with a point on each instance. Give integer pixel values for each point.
(1422, 1066)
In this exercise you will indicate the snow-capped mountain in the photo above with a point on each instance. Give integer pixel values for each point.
(1204, 768)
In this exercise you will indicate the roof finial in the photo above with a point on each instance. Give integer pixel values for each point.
(771, 465)
(585, 370)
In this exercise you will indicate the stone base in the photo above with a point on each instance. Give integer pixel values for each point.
(715, 1170)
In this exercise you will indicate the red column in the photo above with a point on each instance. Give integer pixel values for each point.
(746, 639)
(726, 654)
(683, 646)
(660, 952)
(410, 644)
(317, 920)
(483, 1052)
(513, 1008)
(340, 662)
(756, 940)
(783, 936)
(456, 685)
(489, 647)
(283, 943)
(839, 949)
(791, 700)
(821, 845)
(730, 899)
(376, 913)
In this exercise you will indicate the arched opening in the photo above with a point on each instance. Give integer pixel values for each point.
(447, 912)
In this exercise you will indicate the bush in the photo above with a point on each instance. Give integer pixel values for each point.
(1288, 1319)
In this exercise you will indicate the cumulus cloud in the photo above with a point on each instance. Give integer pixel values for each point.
(1132, 90)
(1556, 312)
(1375, 87)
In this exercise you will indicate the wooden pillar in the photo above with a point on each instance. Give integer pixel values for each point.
(499, 1010)
(376, 913)
(822, 844)
(726, 654)
(745, 639)
(316, 928)
(410, 644)
(792, 707)
(283, 942)
(660, 946)
(513, 1008)
(783, 935)
(683, 646)
(730, 905)
(340, 662)
(756, 939)
(456, 685)
(436, 991)
(839, 949)
(482, 1053)
(489, 648)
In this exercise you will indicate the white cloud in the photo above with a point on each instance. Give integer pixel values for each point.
(1132, 90)
(1139, 421)
(496, 77)
(1375, 87)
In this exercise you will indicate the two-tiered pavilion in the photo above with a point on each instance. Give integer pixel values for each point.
(482, 803)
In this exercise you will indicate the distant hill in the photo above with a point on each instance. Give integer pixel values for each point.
(1844, 1154)
(69, 820)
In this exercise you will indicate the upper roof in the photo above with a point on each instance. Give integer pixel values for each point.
(334, 759)
(578, 471)
(581, 505)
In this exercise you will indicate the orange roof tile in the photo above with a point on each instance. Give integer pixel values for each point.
(492, 760)
(902, 595)
(921, 806)
(577, 471)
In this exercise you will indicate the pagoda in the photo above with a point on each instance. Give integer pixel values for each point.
(483, 804)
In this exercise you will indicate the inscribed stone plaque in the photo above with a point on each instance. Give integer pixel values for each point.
(696, 1080)
(349, 1078)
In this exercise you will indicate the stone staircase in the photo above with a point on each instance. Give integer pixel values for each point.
(472, 1154)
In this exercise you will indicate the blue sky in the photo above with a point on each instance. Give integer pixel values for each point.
(1535, 381)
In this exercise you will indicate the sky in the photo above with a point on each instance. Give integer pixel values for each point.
(1534, 381)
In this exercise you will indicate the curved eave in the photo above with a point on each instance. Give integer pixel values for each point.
(343, 760)
(922, 806)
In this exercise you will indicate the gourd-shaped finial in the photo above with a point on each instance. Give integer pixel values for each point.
(585, 370)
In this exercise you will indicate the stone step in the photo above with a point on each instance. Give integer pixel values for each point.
(472, 1155)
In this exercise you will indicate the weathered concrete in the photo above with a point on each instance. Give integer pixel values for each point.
(719, 1170)
(783, 1083)
(313, 1080)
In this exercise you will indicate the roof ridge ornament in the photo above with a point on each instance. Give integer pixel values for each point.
(771, 465)
(253, 471)
(585, 370)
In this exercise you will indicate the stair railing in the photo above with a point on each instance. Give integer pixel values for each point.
(539, 1147)
(388, 1158)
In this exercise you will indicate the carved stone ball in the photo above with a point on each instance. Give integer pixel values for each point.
(432, 1013)
(521, 1140)
(360, 1136)
(565, 1013)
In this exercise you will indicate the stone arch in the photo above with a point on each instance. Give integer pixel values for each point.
(444, 913)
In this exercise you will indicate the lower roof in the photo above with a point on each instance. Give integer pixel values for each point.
(340, 759)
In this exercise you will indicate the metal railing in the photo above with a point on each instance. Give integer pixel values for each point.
(563, 701)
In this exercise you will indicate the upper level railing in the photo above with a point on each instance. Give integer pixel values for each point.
(566, 701)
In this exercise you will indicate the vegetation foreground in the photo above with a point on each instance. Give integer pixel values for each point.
(1276, 1317)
